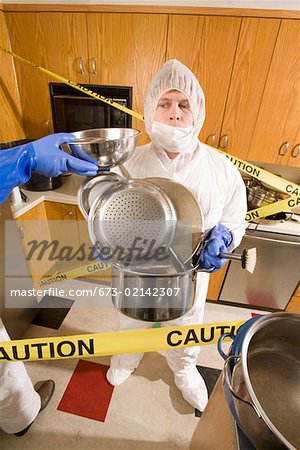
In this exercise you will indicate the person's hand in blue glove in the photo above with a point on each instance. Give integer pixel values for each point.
(219, 240)
(51, 161)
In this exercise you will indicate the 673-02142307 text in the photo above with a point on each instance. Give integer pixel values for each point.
(97, 291)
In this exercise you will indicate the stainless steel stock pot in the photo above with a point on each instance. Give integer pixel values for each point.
(262, 380)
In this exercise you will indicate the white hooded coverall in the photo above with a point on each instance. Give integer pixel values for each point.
(220, 191)
(19, 402)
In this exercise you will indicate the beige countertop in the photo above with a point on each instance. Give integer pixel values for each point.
(67, 193)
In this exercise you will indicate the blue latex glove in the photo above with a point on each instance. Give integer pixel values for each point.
(219, 239)
(50, 160)
(15, 169)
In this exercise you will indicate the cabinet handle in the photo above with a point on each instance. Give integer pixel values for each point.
(81, 65)
(21, 229)
(70, 214)
(94, 69)
(223, 138)
(295, 154)
(212, 138)
(47, 126)
(285, 147)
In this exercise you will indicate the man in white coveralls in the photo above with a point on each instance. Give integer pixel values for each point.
(174, 115)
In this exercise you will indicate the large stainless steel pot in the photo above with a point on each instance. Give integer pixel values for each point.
(153, 298)
(264, 383)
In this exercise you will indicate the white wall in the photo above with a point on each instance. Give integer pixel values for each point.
(257, 4)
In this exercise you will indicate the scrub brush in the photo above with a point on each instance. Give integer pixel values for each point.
(247, 258)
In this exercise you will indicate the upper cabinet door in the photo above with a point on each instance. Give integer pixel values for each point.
(127, 49)
(207, 46)
(252, 62)
(277, 123)
(11, 122)
(55, 41)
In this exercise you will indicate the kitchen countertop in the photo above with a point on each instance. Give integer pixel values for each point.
(289, 227)
(67, 193)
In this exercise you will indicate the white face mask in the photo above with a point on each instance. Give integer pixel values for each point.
(174, 139)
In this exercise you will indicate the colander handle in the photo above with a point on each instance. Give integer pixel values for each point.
(124, 172)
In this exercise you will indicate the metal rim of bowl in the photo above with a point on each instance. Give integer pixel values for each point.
(135, 133)
(87, 186)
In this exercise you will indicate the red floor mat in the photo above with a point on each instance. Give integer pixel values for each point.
(88, 393)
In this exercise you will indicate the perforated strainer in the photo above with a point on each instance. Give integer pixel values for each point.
(132, 221)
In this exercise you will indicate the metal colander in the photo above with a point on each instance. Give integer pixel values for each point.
(132, 212)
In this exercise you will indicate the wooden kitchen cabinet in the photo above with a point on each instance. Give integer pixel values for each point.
(50, 222)
(128, 49)
(62, 226)
(11, 123)
(33, 226)
(207, 46)
(248, 67)
(62, 221)
(277, 126)
(231, 59)
(215, 283)
(294, 304)
(253, 56)
(55, 41)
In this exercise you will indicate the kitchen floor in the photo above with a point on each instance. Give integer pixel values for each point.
(146, 412)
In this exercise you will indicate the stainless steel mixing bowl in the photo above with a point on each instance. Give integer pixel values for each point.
(110, 147)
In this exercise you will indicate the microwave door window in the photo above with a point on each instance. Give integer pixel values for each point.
(75, 114)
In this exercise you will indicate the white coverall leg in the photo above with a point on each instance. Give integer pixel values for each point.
(121, 366)
(182, 361)
(19, 402)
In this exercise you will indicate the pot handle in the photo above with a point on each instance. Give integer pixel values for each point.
(226, 378)
(219, 344)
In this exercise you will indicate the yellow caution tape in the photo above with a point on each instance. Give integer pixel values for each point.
(263, 175)
(88, 269)
(243, 166)
(273, 208)
(74, 85)
(103, 344)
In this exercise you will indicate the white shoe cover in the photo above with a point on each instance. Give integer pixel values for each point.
(121, 367)
(193, 388)
(117, 376)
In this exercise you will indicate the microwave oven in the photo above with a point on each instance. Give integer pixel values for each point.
(73, 110)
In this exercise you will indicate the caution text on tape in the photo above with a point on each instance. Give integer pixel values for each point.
(92, 345)
(88, 269)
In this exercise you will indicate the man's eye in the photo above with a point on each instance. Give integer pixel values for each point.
(185, 105)
(162, 105)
